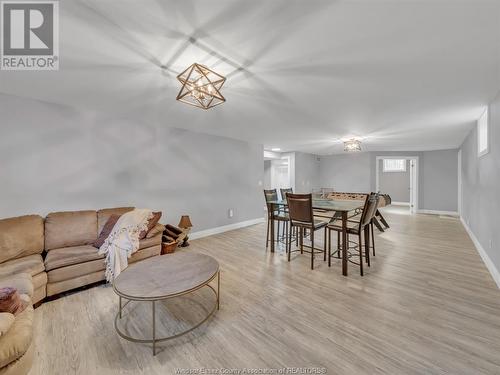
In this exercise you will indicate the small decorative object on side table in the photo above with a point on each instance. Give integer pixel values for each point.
(186, 225)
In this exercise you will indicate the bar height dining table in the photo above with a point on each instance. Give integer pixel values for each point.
(342, 207)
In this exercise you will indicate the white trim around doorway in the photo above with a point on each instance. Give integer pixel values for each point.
(413, 178)
(459, 174)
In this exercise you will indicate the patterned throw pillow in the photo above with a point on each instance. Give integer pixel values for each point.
(11, 302)
(151, 224)
(106, 230)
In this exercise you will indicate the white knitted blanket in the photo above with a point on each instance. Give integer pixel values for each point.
(123, 241)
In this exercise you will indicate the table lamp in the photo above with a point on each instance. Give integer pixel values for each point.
(185, 222)
(186, 225)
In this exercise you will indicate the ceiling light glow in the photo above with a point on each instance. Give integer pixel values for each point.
(352, 145)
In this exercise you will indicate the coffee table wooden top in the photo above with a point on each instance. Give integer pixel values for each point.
(165, 276)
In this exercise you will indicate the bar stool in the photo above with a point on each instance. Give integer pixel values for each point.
(278, 215)
(357, 228)
(301, 217)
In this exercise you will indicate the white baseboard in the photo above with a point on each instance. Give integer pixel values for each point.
(436, 212)
(400, 204)
(224, 228)
(484, 256)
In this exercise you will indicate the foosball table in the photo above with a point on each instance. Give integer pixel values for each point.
(384, 200)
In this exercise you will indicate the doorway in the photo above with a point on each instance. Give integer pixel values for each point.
(280, 173)
(398, 177)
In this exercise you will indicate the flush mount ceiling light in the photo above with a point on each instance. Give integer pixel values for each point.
(200, 87)
(352, 145)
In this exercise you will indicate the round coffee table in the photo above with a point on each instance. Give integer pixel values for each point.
(163, 277)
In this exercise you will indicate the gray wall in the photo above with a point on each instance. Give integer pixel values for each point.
(396, 184)
(55, 158)
(438, 175)
(267, 174)
(346, 172)
(481, 186)
(307, 172)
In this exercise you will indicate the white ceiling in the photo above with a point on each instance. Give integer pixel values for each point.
(401, 74)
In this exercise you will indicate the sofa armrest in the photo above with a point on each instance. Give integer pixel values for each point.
(6, 320)
(149, 242)
(158, 228)
(18, 339)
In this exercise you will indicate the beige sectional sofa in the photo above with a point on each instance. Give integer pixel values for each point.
(55, 254)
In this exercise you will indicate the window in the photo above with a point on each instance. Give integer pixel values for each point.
(394, 165)
(482, 134)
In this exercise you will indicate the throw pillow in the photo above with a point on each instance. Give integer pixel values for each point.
(10, 301)
(151, 224)
(158, 228)
(106, 230)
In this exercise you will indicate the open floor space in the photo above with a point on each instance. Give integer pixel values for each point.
(426, 305)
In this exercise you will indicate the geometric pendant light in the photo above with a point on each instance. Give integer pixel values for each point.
(200, 87)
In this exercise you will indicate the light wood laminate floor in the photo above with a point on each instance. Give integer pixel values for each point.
(426, 306)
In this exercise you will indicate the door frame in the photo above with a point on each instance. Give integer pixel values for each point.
(413, 178)
(459, 189)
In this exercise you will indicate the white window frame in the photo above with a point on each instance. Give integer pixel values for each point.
(385, 169)
(483, 127)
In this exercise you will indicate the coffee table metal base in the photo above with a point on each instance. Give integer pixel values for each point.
(154, 339)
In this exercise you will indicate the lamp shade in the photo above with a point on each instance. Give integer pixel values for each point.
(185, 222)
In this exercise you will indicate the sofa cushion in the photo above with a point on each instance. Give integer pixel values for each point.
(6, 321)
(20, 237)
(68, 256)
(104, 214)
(144, 253)
(76, 270)
(18, 338)
(32, 264)
(158, 228)
(148, 242)
(39, 280)
(38, 295)
(75, 228)
(62, 286)
(22, 282)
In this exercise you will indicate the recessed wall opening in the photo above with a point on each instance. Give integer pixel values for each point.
(398, 177)
(277, 171)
